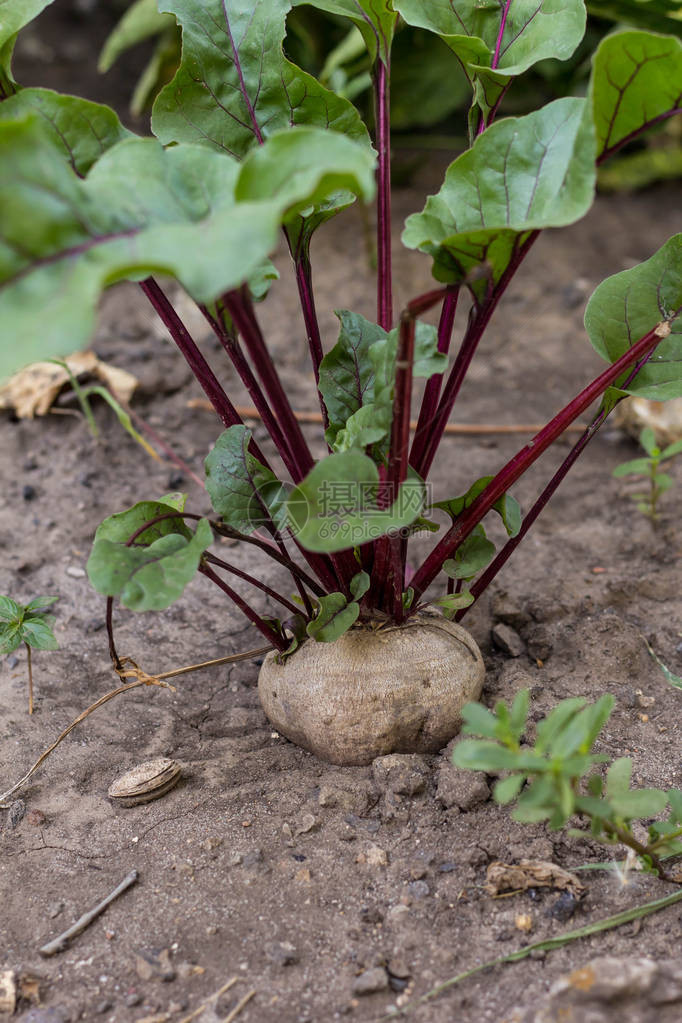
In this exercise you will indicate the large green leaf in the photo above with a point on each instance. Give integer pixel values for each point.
(522, 174)
(334, 617)
(142, 20)
(628, 305)
(335, 506)
(376, 20)
(148, 578)
(64, 239)
(244, 492)
(303, 167)
(534, 30)
(636, 81)
(14, 15)
(234, 86)
(81, 129)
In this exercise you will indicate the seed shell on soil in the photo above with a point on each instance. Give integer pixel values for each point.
(147, 781)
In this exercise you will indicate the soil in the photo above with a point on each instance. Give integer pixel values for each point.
(266, 863)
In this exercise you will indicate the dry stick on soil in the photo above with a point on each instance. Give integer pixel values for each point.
(211, 998)
(239, 1006)
(250, 412)
(548, 945)
(60, 943)
(140, 679)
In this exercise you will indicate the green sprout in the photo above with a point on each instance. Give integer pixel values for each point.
(648, 467)
(27, 624)
(555, 778)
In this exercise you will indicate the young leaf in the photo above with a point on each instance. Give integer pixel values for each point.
(638, 803)
(148, 578)
(647, 439)
(580, 732)
(335, 506)
(375, 19)
(628, 305)
(507, 507)
(470, 557)
(635, 467)
(507, 789)
(480, 755)
(346, 373)
(618, 777)
(555, 722)
(478, 720)
(245, 493)
(234, 86)
(358, 374)
(522, 174)
(38, 603)
(335, 616)
(38, 634)
(9, 609)
(636, 80)
(359, 584)
(81, 129)
(453, 602)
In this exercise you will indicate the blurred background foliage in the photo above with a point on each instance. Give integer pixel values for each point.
(429, 93)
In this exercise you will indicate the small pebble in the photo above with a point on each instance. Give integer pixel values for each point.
(36, 818)
(16, 812)
(28, 492)
(282, 953)
(132, 1000)
(55, 909)
(371, 981)
(12, 661)
(418, 889)
(75, 572)
(507, 640)
(564, 907)
(103, 1007)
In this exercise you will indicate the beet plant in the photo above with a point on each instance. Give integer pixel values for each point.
(248, 147)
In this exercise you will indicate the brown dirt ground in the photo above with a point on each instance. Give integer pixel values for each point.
(228, 867)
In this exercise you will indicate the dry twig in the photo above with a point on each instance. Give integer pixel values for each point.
(60, 943)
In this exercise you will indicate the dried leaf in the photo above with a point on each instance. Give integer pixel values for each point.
(33, 390)
(505, 877)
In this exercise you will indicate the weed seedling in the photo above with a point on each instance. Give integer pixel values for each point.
(648, 467)
(555, 778)
(30, 625)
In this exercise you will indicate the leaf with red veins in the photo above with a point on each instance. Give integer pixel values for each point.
(636, 82)
(234, 86)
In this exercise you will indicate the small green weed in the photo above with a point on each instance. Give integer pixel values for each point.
(30, 625)
(648, 467)
(555, 778)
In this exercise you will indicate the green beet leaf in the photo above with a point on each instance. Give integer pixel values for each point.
(81, 129)
(245, 493)
(507, 507)
(335, 506)
(142, 20)
(471, 556)
(359, 584)
(376, 20)
(148, 578)
(628, 305)
(636, 81)
(14, 15)
(120, 527)
(65, 239)
(234, 86)
(451, 603)
(357, 378)
(302, 167)
(534, 30)
(522, 174)
(334, 617)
